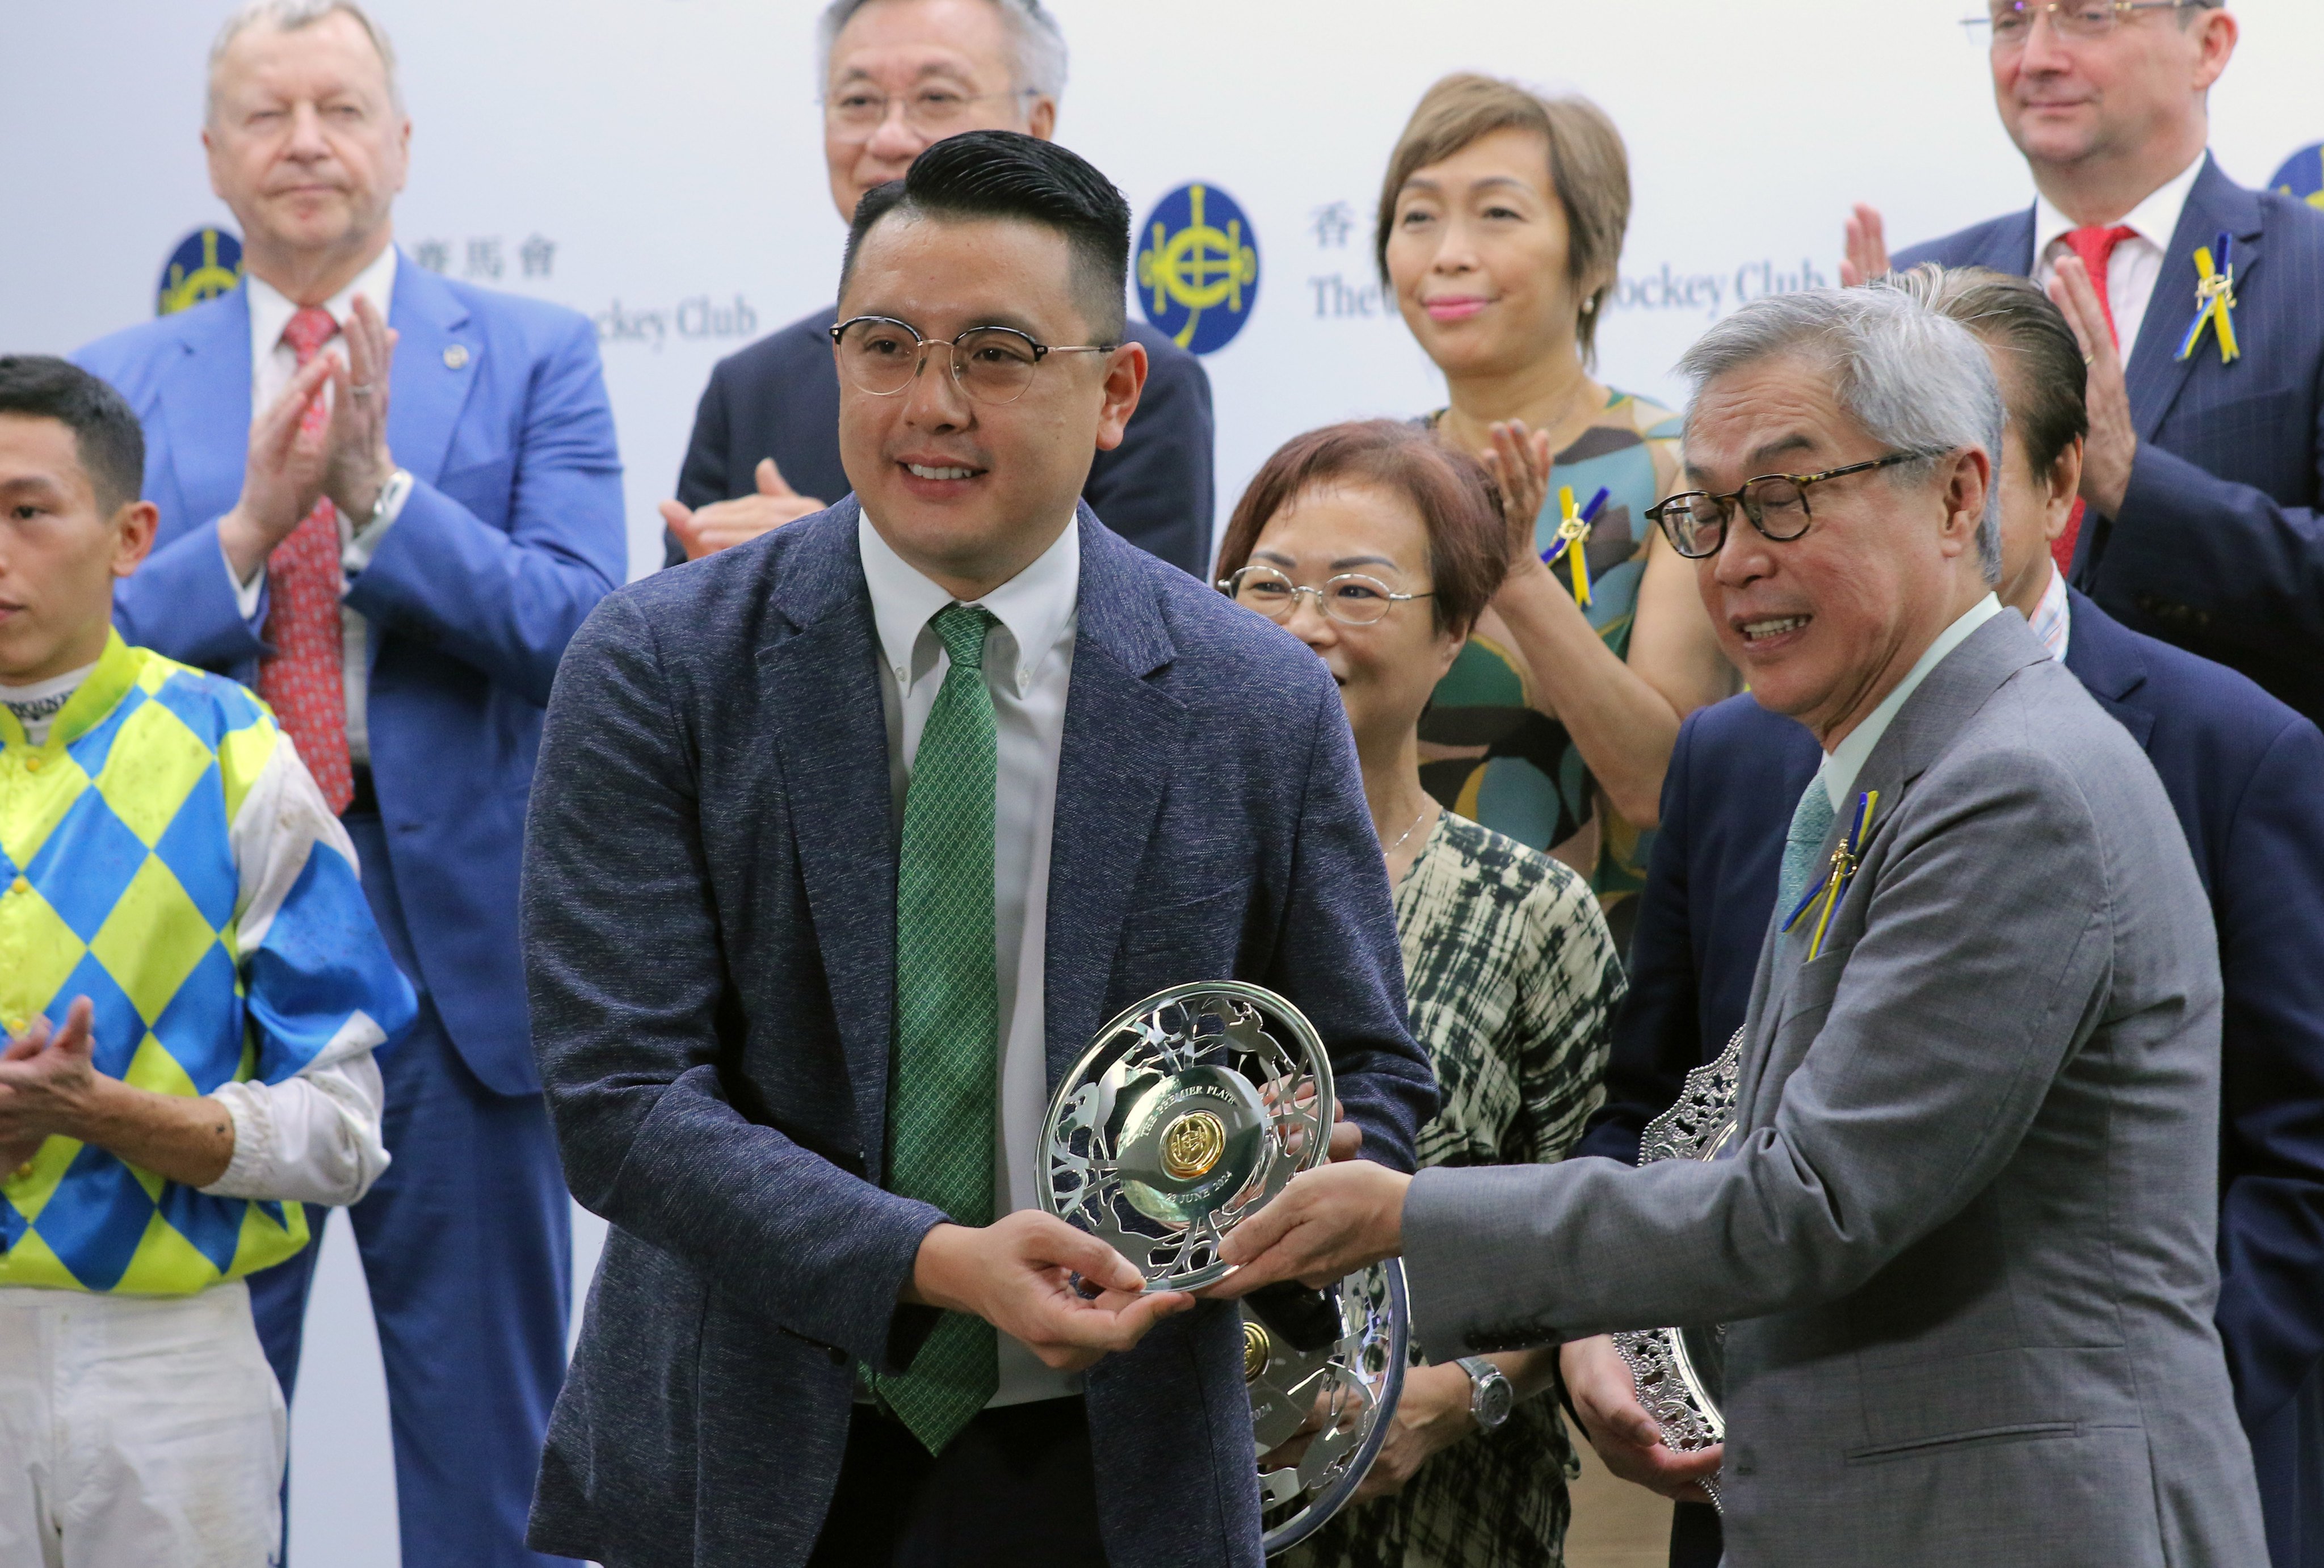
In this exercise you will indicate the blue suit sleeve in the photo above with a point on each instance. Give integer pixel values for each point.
(508, 601)
(623, 967)
(1337, 956)
(2271, 1312)
(1658, 1032)
(180, 603)
(1154, 489)
(2196, 553)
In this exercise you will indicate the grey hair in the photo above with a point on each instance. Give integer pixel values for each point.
(1918, 381)
(1033, 30)
(290, 16)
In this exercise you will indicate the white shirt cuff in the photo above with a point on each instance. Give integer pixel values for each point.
(364, 543)
(245, 594)
(314, 1138)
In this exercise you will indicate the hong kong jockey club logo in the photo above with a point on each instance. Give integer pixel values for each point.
(2303, 175)
(1198, 267)
(207, 262)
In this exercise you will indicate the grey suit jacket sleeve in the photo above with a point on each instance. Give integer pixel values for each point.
(1981, 968)
(630, 1053)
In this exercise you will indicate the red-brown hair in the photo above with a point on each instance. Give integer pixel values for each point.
(1455, 496)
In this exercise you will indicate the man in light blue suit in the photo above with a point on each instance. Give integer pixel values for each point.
(399, 576)
(2205, 474)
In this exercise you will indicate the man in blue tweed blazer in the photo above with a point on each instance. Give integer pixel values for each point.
(2204, 474)
(730, 873)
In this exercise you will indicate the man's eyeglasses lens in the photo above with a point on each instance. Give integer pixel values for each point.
(1350, 598)
(1695, 523)
(992, 364)
(860, 110)
(2008, 26)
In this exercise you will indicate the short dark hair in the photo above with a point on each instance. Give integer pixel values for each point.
(1468, 546)
(2047, 391)
(107, 436)
(1009, 174)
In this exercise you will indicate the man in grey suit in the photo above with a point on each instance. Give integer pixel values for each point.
(1963, 1239)
(827, 886)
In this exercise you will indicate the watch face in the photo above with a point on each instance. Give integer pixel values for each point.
(1496, 1400)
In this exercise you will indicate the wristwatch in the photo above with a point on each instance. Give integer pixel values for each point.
(1490, 1395)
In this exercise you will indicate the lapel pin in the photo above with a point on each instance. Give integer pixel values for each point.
(1572, 536)
(2215, 302)
(455, 356)
(1834, 886)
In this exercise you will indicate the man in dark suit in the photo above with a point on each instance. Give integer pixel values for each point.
(394, 553)
(2240, 769)
(825, 892)
(2204, 474)
(898, 75)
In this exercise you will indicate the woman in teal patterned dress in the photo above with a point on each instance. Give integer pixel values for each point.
(1500, 228)
(1379, 546)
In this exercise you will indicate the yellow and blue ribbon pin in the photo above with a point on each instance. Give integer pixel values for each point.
(1834, 886)
(2215, 302)
(1573, 538)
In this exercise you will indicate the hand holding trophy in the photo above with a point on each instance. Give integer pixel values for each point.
(1187, 1113)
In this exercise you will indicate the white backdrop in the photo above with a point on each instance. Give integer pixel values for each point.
(655, 164)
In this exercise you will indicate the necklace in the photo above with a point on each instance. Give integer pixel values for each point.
(1408, 833)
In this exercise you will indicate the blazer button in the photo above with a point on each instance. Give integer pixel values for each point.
(838, 1356)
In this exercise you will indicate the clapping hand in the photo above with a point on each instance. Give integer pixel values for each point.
(1519, 462)
(43, 1077)
(282, 473)
(359, 462)
(707, 531)
(1867, 256)
(2113, 441)
(1605, 1397)
(1025, 1273)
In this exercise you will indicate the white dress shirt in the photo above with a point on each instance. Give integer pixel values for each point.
(1844, 761)
(1029, 662)
(2137, 262)
(272, 363)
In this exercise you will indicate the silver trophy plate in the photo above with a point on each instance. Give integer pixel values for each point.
(1346, 1386)
(1187, 1112)
(1678, 1371)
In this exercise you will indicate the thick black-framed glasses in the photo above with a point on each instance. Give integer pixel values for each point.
(1695, 520)
(2010, 23)
(990, 365)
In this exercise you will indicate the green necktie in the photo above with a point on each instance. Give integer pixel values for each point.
(1802, 847)
(945, 1065)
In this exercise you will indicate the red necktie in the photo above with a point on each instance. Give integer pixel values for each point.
(302, 680)
(2095, 246)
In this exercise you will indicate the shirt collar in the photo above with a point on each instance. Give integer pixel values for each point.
(270, 310)
(2156, 218)
(2053, 618)
(1035, 609)
(1844, 761)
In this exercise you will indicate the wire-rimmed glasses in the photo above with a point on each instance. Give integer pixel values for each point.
(990, 365)
(2009, 22)
(1350, 598)
(935, 112)
(1695, 520)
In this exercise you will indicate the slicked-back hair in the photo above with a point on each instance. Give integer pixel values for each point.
(1917, 382)
(1589, 170)
(1034, 36)
(290, 16)
(1467, 543)
(2048, 388)
(1006, 174)
(107, 436)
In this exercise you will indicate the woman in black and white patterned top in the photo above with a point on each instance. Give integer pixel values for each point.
(1378, 547)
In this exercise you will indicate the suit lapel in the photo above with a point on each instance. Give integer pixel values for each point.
(1121, 732)
(436, 361)
(2216, 205)
(206, 408)
(821, 686)
(2009, 247)
(2106, 660)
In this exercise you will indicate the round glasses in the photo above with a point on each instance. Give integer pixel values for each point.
(990, 365)
(934, 112)
(2011, 21)
(1350, 598)
(1695, 523)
